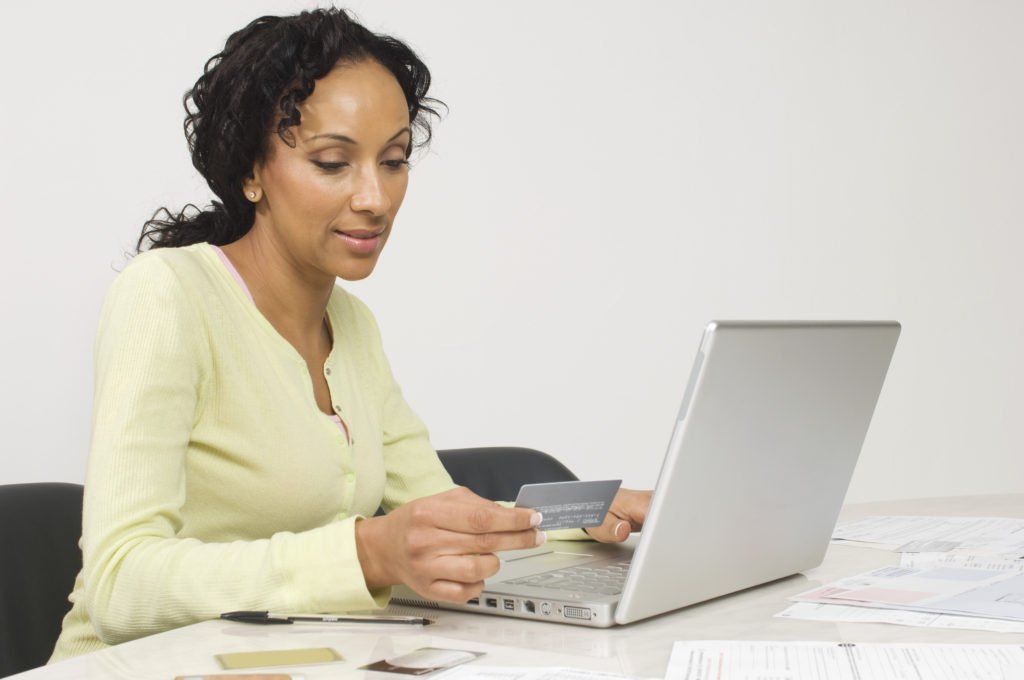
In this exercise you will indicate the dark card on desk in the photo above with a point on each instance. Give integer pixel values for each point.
(569, 505)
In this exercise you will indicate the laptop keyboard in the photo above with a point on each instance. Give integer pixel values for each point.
(601, 579)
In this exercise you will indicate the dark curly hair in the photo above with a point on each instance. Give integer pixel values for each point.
(264, 72)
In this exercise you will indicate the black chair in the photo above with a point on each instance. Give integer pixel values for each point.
(40, 525)
(497, 472)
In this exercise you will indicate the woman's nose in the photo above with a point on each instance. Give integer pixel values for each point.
(369, 195)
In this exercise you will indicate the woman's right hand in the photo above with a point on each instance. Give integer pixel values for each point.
(443, 546)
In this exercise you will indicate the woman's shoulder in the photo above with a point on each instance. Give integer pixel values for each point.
(154, 297)
(164, 282)
(184, 268)
(179, 260)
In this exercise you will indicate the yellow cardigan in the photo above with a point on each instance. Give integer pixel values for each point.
(214, 482)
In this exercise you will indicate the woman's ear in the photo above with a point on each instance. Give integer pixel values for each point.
(252, 187)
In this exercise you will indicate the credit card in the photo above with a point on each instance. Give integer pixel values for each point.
(569, 505)
(278, 657)
(422, 661)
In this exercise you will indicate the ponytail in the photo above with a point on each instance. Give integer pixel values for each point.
(214, 225)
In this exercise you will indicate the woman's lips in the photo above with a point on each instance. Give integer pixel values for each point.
(360, 242)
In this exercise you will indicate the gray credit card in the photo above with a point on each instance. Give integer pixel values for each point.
(569, 505)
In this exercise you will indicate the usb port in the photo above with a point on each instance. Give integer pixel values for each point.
(509, 605)
(492, 602)
(475, 601)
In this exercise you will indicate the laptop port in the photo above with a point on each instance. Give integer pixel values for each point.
(545, 608)
(475, 601)
(529, 607)
(509, 604)
(492, 602)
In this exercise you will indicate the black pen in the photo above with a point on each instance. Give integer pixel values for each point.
(264, 617)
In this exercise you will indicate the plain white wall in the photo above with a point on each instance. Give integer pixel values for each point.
(609, 178)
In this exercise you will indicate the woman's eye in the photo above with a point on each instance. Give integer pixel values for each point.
(396, 164)
(325, 165)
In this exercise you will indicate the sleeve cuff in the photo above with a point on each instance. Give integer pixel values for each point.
(329, 577)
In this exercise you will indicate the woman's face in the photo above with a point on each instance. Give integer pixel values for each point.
(328, 203)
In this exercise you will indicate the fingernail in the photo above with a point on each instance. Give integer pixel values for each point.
(619, 526)
(535, 519)
(542, 537)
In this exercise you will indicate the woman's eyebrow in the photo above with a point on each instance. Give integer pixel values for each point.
(348, 140)
(333, 135)
(399, 134)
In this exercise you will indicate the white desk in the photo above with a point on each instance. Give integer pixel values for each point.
(640, 649)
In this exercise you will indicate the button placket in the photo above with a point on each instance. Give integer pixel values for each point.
(337, 410)
(348, 433)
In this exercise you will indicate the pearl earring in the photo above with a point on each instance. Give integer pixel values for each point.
(252, 195)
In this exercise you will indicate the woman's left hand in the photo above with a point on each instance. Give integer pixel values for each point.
(626, 515)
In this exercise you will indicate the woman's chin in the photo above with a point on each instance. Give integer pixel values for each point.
(356, 271)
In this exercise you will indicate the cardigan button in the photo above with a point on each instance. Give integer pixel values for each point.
(327, 370)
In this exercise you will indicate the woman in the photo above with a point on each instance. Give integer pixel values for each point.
(246, 424)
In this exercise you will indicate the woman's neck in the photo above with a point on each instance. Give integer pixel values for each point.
(293, 299)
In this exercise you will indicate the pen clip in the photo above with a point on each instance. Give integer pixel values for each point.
(245, 616)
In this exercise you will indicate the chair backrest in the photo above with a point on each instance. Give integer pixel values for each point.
(497, 472)
(40, 525)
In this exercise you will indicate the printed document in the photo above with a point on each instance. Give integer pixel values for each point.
(999, 535)
(990, 562)
(810, 611)
(473, 672)
(735, 660)
(942, 590)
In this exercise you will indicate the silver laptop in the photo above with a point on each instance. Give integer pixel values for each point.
(760, 457)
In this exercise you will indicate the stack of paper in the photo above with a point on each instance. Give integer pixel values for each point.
(808, 611)
(986, 535)
(733, 660)
(955, 572)
(938, 590)
(474, 672)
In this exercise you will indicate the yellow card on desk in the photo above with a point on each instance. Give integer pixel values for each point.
(279, 657)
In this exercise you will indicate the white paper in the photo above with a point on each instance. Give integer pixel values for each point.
(735, 660)
(941, 590)
(903, 587)
(922, 560)
(1000, 600)
(475, 672)
(809, 611)
(1000, 535)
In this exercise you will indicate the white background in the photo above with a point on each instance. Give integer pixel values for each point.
(610, 177)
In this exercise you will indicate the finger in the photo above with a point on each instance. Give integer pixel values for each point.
(467, 569)
(635, 518)
(613, 529)
(450, 591)
(458, 543)
(632, 506)
(470, 517)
